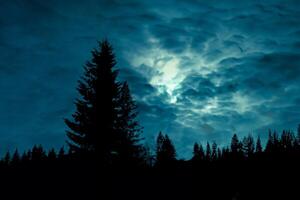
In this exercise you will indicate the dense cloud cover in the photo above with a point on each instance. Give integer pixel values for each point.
(199, 70)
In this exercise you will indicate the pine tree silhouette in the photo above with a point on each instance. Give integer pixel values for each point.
(128, 148)
(236, 148)
(93, 129)
(198, 153)
(258, 148)
(165, 151)
(298, 135)
(208, 152)
(26, 156)
(7, 158)
(38, 154)
(287, 141)
(61, 154)
(270, 143)
(52, 155)
(219, 154)
(15, 158)
(214, 153)
(248, 146)
(104, 127)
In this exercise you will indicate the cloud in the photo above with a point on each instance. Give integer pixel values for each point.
(199, 70)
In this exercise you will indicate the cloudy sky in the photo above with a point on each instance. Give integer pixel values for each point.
(199, 70)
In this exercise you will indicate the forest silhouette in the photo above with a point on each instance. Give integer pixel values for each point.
(105, 156)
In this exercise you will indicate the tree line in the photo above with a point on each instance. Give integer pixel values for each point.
(104, 129)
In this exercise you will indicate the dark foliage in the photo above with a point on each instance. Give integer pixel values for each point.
(92, 131)
(104, 127)
(165, 151)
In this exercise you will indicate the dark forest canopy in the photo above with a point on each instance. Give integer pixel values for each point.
(284, 146)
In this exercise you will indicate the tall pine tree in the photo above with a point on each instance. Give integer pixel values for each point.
(92, 130)
(104, 126)
(128, 147)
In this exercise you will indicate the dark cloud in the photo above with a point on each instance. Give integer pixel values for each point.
(139, 84)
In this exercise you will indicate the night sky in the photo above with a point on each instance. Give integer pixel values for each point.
(199, 70)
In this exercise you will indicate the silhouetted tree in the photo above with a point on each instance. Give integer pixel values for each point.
(297, 142)
(165, 151)
(273, 144)
(148, 156)
(61, 154)
(208, 152)
(287, 141)
(276, 142)
(214, 153)
(128, 148)
(270, 143)
(104, 126)
(225, 153)
(93, 129)
(258, 148)
(26, 156)
(198, 153)
(52, 155)
(7, 158)
(234, 144)
(219, 152)
(298, 135)
(15, 158)
(38, 153)
(248, 146)
(159, 144)
(236, 147)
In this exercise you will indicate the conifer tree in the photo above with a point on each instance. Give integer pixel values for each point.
(15, 158)
(298, 135)
(7, 158)
(52, 155)
(38, 153)
(214, 154)
(208, 152)
(236, 147)
(198, 153)
(159, 146)
(276, 142)
(104, 127)
(61, 154)
(235, 144)
(296, 143)
(258, 148)
(287, 141)
(26, 156)
(165, 151)
(93, 128)
(270, 143)
(128, 148)
(220, 156)
(248, 146)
